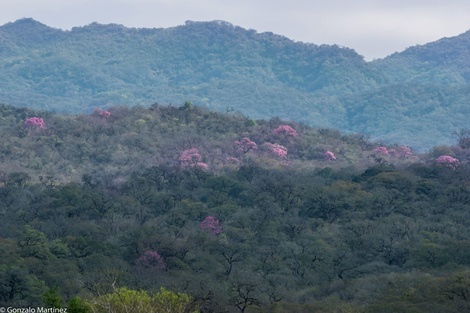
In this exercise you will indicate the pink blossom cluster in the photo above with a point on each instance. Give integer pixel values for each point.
(102, 113)
(191, 158)
(211, 225)
(382, 150)
(232, 160)
(401, 152)
(329, 156)
(202, 166)
(245, 145)
(151, 259)
(277, 149)
(286, 130)
(35, 121)
(448, 161)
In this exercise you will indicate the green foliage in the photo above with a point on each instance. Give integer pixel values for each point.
(33, 243)
(126, 300)
(169, 301)
(78, 305)
(52, 299)
(19, 287)
(187, 105)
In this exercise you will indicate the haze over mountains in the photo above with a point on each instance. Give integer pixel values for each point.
(417, 97)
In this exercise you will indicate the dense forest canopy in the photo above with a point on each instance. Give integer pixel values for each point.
(418, 97)
(181, 209)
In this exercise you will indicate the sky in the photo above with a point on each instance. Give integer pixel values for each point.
(373, 28)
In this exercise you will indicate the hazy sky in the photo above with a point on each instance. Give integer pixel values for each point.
(374, 28)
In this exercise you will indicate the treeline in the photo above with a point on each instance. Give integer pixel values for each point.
(374, 229)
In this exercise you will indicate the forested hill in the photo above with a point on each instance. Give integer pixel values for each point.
(227, 214)
(417, 97)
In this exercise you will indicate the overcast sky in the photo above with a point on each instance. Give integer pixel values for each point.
(374, 28)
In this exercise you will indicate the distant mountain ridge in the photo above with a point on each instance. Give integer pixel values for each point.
(417, 97)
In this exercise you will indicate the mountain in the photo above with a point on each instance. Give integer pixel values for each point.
(417, 97)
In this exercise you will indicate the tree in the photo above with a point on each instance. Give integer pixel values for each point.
(33, 243)
(245, 145)
(285, 130)
(102, 113)
(448, 161)
(78, 305)
(51, 298)
(463, 136)
(151, 259)
(277, 149)
(329, 156)
(211, 225)
(244, 295)
(458, 289)
(190, 158)
(18, 287)
(35, 122)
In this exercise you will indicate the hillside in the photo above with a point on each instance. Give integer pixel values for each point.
(227, 214)
(130, 139)
(417, 97)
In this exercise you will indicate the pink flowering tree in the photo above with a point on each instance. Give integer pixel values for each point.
(202, 166)
(448, 161)
(211, 225)
(35, 122)
(285, 130)
(191, 158)
(382, 150)
(329, 156)
(277, 149)
(401, 152)
(151, 259)
(102, 113)
(232, 160)
(245, 145)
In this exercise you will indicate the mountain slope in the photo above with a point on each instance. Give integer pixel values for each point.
(443, 62)
(222, 66)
